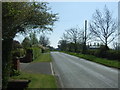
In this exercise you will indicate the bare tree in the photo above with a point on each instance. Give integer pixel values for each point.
(103, 26)
(73, 35)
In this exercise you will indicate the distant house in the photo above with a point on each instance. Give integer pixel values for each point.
(95, 46)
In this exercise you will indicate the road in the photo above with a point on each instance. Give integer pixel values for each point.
(76, 72)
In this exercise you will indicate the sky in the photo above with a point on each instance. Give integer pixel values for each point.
(73, 14)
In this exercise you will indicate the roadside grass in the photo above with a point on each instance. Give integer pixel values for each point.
(44, 57)
(37, 80)
(110, 63)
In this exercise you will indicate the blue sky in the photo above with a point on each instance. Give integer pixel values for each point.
(73, 14)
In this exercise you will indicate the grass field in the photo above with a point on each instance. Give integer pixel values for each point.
(110, 63)
(38, 80)
(45, 57)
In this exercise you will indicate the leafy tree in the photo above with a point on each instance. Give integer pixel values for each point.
(18, 17)
(16, 45)
(103, 26)
(26, 43)
(63, 45)
(44, 40)
(33, 38)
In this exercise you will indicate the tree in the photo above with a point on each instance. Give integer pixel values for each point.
(16, 45)
(103, 26)
(26, 43)
(17, 17)
(33, 38)
(63, 45)
(44, 40)
(73, 35)
(23, 15)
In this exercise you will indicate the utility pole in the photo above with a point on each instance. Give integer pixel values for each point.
(84, 38)
(85, 31)
(118, 26)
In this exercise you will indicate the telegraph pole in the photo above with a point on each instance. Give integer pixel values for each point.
(85, 37)
(85, 31)
(119, 25)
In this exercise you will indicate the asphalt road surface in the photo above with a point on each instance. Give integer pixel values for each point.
(75, 72)
(40, 67)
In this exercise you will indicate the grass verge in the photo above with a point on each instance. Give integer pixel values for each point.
(110, 63)
(45, 57)
(38, 80)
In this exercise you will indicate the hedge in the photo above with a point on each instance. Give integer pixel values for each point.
(36, 52)
(109, 54)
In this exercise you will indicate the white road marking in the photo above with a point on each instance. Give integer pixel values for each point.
(51, 68)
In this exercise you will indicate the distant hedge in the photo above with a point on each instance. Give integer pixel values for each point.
(113, 54)
(108, 54)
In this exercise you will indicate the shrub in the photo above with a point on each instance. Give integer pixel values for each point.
(15, 72)
(113, 54)
(22, 52)
(109, 54)
(36, 52)
(102, 52)
(18, 52)
(91, 52)
(16, 45)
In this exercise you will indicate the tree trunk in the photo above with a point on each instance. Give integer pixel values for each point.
(6, 61)
(106, 44)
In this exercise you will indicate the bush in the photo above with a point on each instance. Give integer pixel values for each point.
(102, 52)
(36, 52)
(18, 52)
(91, 52)
(22, 52)
(109, 54)
(113, 54)
(15, 72)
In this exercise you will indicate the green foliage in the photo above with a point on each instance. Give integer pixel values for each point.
(15, 72)
(5, 74)
(109, 54)
(113, 55)
(18, 52)
(16, 45)
(63, 45)
(26, 43)
(91, 52)
(110, 63)
(44, 57)
(33, 38)
(36, 52)
(20, 17)
(37, 80)
(44, 40)
(24, 15)
(22, 52)
(102, 51)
